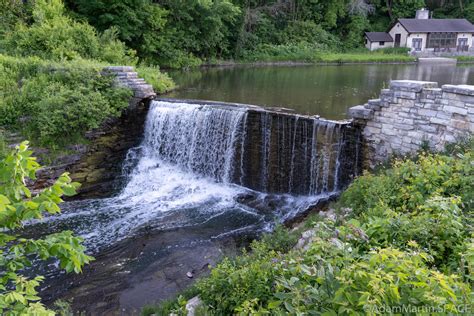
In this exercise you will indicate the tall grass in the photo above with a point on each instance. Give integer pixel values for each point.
(313, 53)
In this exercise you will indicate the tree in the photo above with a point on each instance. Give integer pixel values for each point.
(140, 23)
(18, 294)
(403, 8)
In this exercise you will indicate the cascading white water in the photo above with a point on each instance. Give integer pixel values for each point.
(194, 165)
(198, 138)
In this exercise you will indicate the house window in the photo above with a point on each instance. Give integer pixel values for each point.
(416, 44)
(441, 40)
(382, 43)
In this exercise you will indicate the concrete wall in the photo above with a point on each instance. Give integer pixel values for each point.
(465, 35)
(424, 40)
(376, 45)
(412, 113)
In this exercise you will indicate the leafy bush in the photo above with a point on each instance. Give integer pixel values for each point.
(54, 35)
(438, 226)
(18, 294)
(410, 183)
(393, 278)
(56, 102)
(233, 282)
(161, 82)
(285, 52)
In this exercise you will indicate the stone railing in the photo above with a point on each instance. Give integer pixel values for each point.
(412, 113)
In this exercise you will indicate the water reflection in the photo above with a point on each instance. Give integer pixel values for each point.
(325, 90)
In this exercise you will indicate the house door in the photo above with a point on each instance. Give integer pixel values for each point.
(398, 38)
(462, 44)
(416, 44)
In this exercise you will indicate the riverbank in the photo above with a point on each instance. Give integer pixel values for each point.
(361, 58)
(394, 236)
(317, 59)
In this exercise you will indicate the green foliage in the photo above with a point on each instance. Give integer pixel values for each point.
(438, 226)
(11, 12)
(281, 239)
(410, 183)
(161, 82)
(390, 277)
(406, 8)
(233, 282)
(172, 33)
(56, 102)
(139, 23)
(54, 35)
(289, 52)
(18, 294)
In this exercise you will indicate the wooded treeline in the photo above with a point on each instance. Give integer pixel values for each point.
(177, 33)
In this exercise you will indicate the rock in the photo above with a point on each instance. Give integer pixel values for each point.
(361, 112)
(189, 274)
(192, 305)
(459, 89)
(305, 239)
(412, 85)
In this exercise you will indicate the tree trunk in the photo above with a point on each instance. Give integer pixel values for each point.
(389, 8)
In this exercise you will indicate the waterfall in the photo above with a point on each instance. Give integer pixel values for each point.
(262, 150)
(198, 138)
(226, 166)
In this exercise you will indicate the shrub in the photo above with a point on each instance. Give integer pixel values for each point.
(409, 183)
(55, 103)
(233, 282)
(285, 52)
(18, 294)
(161, 82)
(393, 279)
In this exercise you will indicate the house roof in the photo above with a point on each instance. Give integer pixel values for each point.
(437, 25)
(379, 37)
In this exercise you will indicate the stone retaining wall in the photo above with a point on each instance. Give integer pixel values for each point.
(414, 113)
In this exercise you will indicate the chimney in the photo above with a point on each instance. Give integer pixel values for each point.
(422, 14)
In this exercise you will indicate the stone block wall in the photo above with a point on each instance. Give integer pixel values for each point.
(412, 113)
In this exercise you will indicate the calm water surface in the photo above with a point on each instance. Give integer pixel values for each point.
(316, 89)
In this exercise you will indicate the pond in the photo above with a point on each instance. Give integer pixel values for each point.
(325, 90)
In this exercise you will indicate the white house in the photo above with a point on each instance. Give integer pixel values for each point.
(423, 34)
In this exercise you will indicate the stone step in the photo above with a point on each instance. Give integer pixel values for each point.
(120, 68)
(127, 75)
(360, 112)
(131, 81)
(374, 104)
(140, 86)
